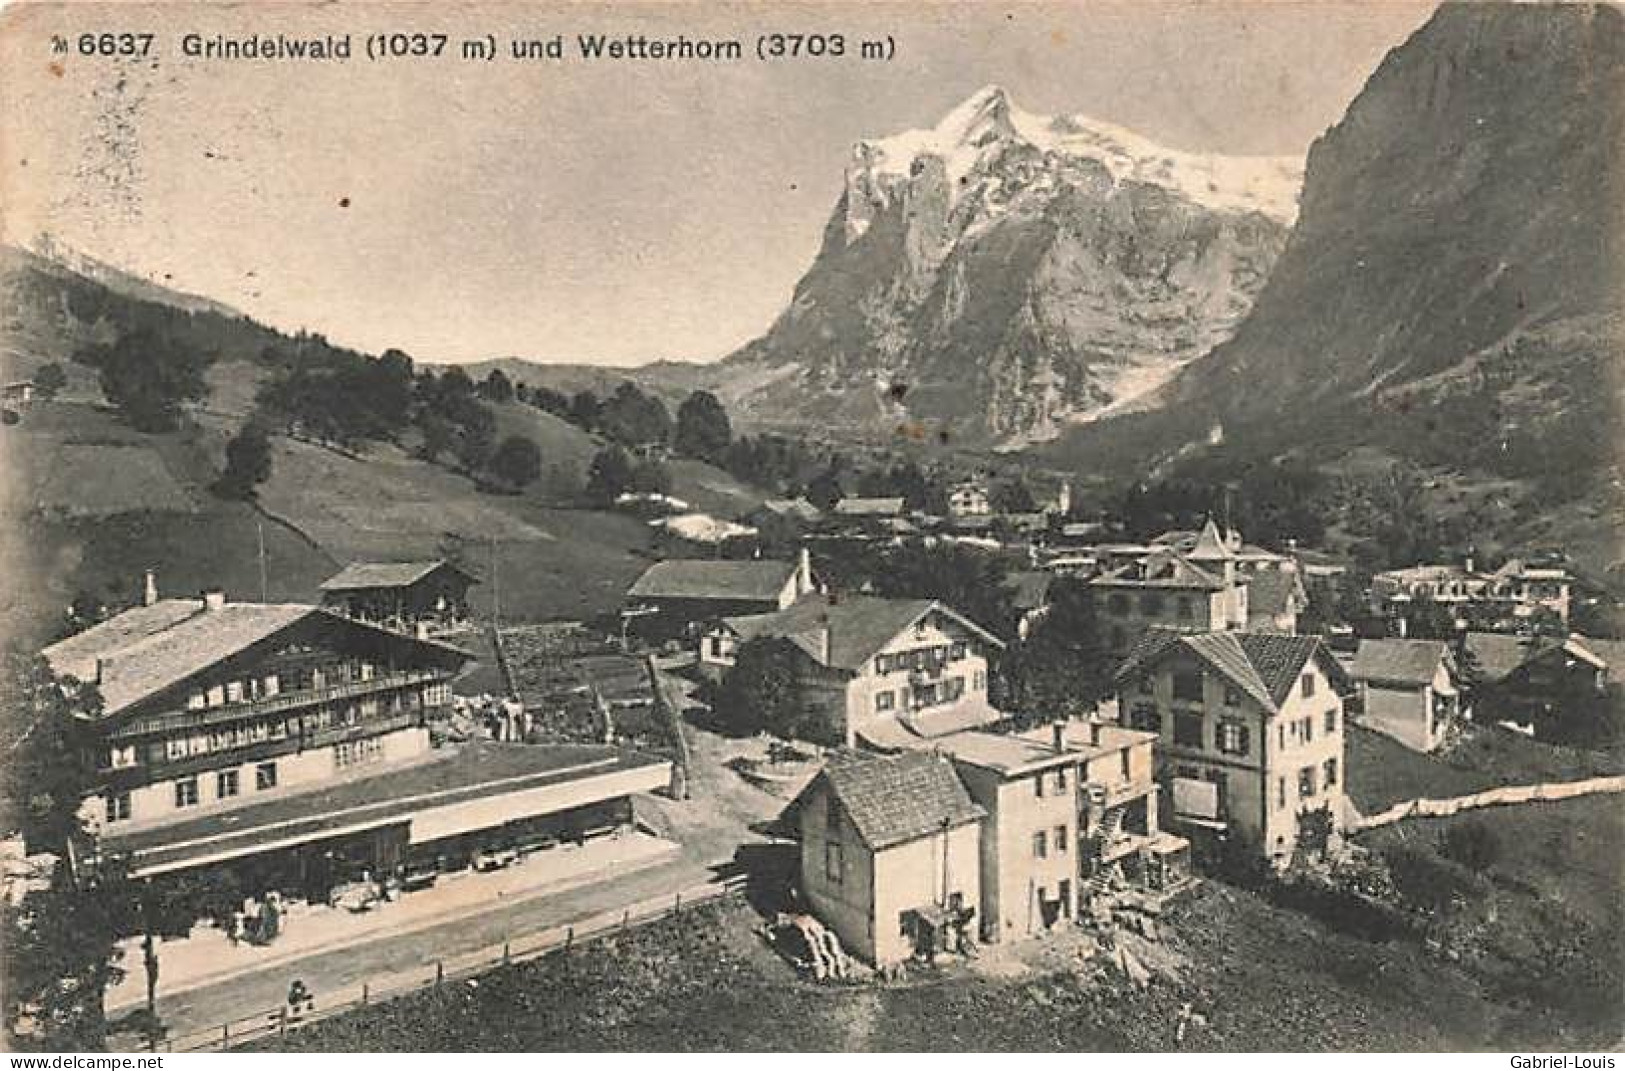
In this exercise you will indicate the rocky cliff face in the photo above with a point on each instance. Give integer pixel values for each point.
(1453, 284)
(1002, 275)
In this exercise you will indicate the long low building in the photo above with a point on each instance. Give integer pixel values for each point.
(291, 744)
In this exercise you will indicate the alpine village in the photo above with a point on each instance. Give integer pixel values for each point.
(881, 685)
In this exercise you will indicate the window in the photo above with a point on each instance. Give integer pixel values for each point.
(195, 701)
(1145, 686)
(1280, 792)
(1188, 730)
(1306, 782)
(1188, 685)
(1040, 845)
(1145, 717)
(1329, 773)
(270, 686)
(225, 784)
(883, 664)
(832, 813)
(1232, 696)
(1060, 840)
(1060, 781)
(1306, 729)
(832, 862)
(186, 792)
(979, 681)
(1233, 738)
(120, 756)
(1280, 733)
(959, 651)
(953, 689)
(264, 776)
(1123, 761)
(1186, 609)
(234, 692)
(216, 696)
(1331, 721)
(1308, 685)
(358, 752)
(118, 806)
(886, 700)
(1038, 787)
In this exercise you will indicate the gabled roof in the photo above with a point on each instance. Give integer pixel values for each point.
(1210, 545)
(759, 580)
(1497, 654)
(1264, 665)
(847, 631)
(145, 650)
(869, 507)
(365, 575)
(1275, 591)
(1408, 662)
(894, 799)
(702, 528)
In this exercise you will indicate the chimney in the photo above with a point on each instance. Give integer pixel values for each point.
(803, 572)
(1094, 732)
(1058, 736)
(213, 599)
(1468, 563)
(149, 592)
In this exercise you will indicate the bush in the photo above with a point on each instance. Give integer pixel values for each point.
(1428, 883)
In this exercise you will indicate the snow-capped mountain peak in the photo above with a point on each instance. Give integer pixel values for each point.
(980, 129)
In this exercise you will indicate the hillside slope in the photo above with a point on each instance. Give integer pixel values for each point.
(1452, 289)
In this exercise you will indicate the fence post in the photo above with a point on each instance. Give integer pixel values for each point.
(505, 952)
(677, 905)
(569, 937)
(225, 1034)
(363, 992)
(282, 1020)
(439, 971)
(626, 919)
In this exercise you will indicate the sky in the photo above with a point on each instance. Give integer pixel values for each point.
(609, 213)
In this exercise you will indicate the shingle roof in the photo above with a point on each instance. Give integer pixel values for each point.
(1264, 665)
(1496, 654)
(1395, 661)
(855, 626)
(360, 575)
(1274, 591)
(893, 799)
(757, 580)
(145, 650)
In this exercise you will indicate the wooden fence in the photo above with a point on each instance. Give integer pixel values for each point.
(556, 940)
(1494, 797)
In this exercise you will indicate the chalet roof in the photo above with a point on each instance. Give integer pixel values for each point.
(1611, 652)
(358, 576)
(869, 507)
(758, 580)
(1396, 661)
(145, 650)
(1497, 654)
(847, 631)
(1264, 665)
(894, 799)
(1274, 591)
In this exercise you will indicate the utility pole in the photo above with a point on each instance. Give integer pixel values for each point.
(259, 527)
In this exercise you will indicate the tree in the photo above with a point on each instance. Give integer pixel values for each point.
(248, 463)
(632, 418)
(585, 409)
(60, 943)
(497, 387)
(609, 475)
(49, 379)
(149, 378)
(825, 489)
(1065, 667)
(703, 430)
(517, 461)
(650, 477)
(761, 693)
(1013, 496)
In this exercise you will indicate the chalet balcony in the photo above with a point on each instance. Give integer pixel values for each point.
(259, 750)
(182, 720)
(1104, 796)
